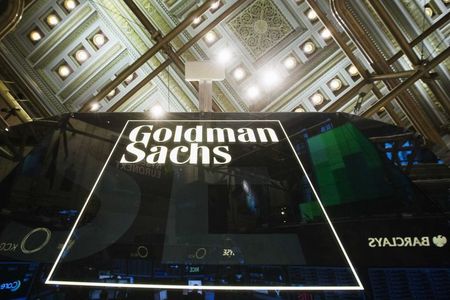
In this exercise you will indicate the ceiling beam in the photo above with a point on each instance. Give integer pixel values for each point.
(180, 51)
(408, 50)
(415, 111)
(435, 26)
(339, 39)
(408, 82)
(146, 56)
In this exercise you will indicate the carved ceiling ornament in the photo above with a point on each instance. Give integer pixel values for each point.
(260, 27)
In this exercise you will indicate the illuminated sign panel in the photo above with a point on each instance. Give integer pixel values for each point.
(203, 196)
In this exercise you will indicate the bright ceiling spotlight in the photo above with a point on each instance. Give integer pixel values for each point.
(210, 37)
(70, 4)
(129, 79)
(95, 106)
(215, 5)
(224, 56)
(239, 73)
(52, 20)
(81, 56)
(429, 11)
(35, 36)
(290, 62)
(270, 78)
(111, 94)
(197, 20)
(64, 71)
(99, 40)
(353, 71)
(309, 47)
(325, 34)
(311, 14)
(335, 84)
(253, 92)
(299, 109)
(157, 111)
(317, 99)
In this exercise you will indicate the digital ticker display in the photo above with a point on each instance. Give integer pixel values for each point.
(202, 194)
(223, 201)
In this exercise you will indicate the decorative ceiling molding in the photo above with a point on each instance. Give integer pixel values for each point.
(260, 27)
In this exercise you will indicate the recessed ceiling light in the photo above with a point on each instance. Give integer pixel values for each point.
(270, 78)
(253, 92)
(215, 5)
(81, 55)
(35, 36)
(325, 34)
(299, 109)
(64, 71)
(335, 84)
(309, 47)
(95, 106)
(224, 56)
(239, 73)
(311, 14)
(317, 99)
(197, 20)
(429, 11)
(129, 79)
(52, 20)
(353, 71)
(157, 111)
(99, 40)
(290, 62)
(70, 4)
(111, 94)
(210, 37)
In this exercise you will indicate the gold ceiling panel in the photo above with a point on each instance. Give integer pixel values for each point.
(260, 27)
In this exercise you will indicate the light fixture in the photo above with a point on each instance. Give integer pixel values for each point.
(299, 109)
(311, 14)
(309, 47)
(290, 62)
(99, 39)
(197, 20)
(111, 94)
(157, 111)
(64, 71)
(253, 92)
(52, 20)
(224, 56)
(70, 4)
(325, 34)
(239, 73)
(210, 37)
(335, 84)
(81, 55)
(429, 11)
(317, 99)
(353, 71)
(446, 1)
(129, 79)
(95, 106)
(215, 5)
(270, 78)
(35, 36)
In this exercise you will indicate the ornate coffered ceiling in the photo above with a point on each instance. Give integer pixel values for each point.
(278, 55)
(260, 27)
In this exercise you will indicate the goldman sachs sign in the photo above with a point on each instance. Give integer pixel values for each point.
(158, 144)
(218, 185)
